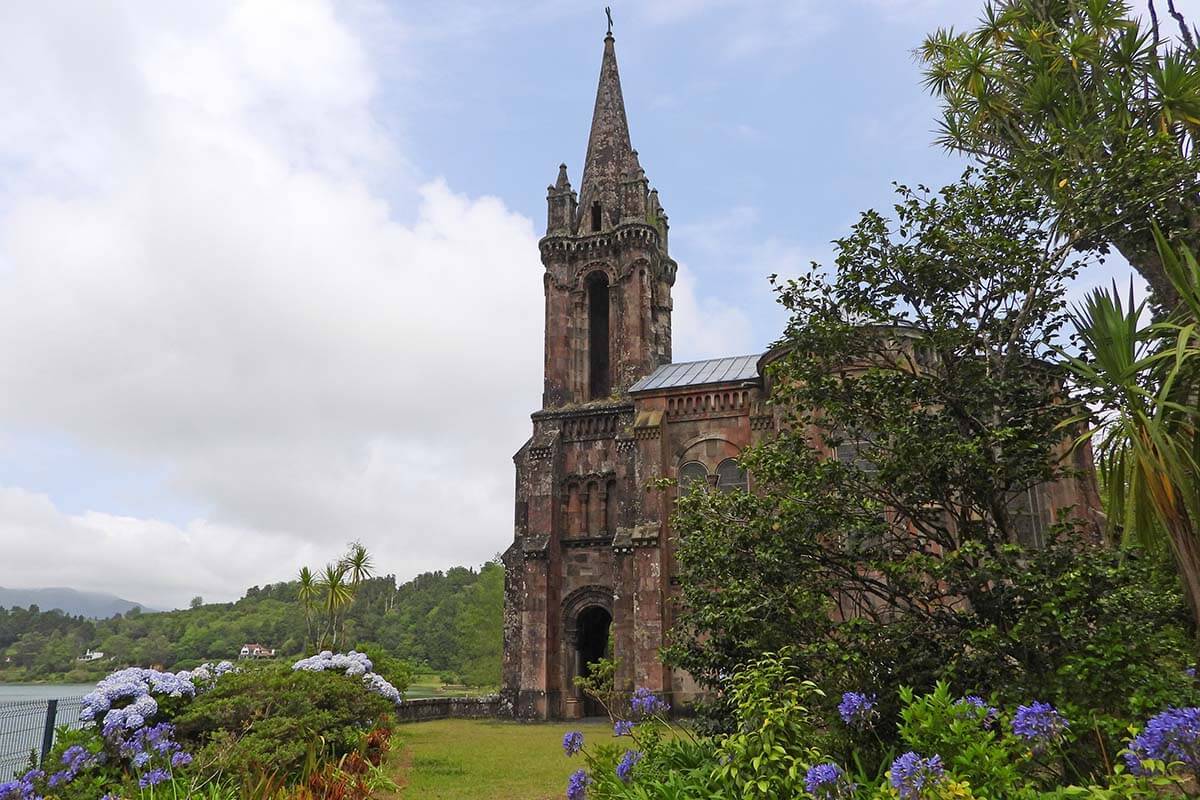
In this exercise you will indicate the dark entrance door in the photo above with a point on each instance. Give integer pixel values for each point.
(592, 629)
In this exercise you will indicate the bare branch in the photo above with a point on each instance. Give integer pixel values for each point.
(1183, 28)
(1154, 26)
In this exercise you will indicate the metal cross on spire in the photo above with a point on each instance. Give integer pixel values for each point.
(608, 13)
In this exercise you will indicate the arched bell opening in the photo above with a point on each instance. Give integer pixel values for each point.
(599, 380)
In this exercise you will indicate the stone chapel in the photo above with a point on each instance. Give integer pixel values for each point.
(590, 569)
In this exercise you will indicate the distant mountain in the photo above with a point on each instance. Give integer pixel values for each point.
(97, 605)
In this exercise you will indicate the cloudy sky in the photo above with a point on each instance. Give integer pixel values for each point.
(269, 279)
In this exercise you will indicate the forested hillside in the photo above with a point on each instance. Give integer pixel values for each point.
(448, 622)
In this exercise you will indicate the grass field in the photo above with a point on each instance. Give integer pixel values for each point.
(449, 759)
(429, 685)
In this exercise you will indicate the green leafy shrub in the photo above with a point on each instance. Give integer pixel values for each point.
(268, 718)
(956, 749)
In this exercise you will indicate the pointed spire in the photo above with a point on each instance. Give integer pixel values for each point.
(563, 182)
(609, 153)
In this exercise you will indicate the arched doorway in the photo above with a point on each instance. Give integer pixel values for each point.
(592, 644)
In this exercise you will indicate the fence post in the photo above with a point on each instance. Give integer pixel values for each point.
(48, 730)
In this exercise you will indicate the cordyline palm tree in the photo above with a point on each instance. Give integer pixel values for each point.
(1147, 381)
(307, 593)
(358, 564)
(1099, 107)
(336, 595)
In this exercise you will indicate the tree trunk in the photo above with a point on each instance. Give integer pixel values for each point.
(1186, 550)
(1142, 254)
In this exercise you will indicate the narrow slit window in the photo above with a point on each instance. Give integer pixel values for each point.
(599, 380)
(596, 217)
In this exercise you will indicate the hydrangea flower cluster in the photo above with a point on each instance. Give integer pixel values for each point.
(623, 727)
(354, 664)
(828, 782)
(577, 785)
(974, 704)
(646, 703)
(75, 759)
(351, 663)
(626, 764)
(857, 709)
(22, 788)
(572, 742)
(107, 702)
(911, 775)
(379, 685)
(204, 676)
(1172, 737)
(1040, 724)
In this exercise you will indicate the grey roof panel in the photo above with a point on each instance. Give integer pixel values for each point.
(700, 373)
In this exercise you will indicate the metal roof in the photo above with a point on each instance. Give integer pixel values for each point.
(698, 373)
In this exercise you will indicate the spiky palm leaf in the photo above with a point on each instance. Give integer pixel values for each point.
(1148, 378)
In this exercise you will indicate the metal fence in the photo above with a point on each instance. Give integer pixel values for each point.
(27, 730)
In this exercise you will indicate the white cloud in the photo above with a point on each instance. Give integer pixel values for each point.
(705, 326)
(198, 271)
(201, 279)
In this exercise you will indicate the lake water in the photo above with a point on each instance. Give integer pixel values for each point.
(42, 691)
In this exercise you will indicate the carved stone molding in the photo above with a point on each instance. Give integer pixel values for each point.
(582, 479)
(645, 535)
(583, 598)
(586, 541)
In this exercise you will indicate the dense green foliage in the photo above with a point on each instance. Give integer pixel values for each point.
(1097, 109)
(781, 745)
(266, 718)
(448, 622)
(908, 558)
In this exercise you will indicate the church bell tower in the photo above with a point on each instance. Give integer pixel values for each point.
(608, 276)
(586, 575)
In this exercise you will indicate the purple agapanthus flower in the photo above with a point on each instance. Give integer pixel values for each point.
(623, 727)
(1172, 737)
(827, 782)
(153, 778)
(646, 702)
(626, 764)
(986, 713)
(857, 709)
(181, 759)
(911, 775)
(1040, 724)
(572, 742)
(577, 785)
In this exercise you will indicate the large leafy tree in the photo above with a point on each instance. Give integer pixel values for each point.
(1097, 108)
(888, 538)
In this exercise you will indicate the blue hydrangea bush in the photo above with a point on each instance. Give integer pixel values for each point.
(131, 746)
(353, 664)
(788, 743)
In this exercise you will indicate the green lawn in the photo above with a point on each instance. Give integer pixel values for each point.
(429, 685)
(450, 759)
